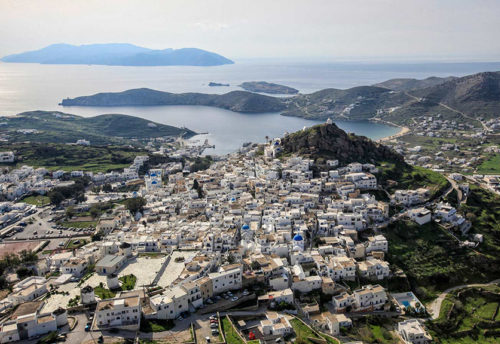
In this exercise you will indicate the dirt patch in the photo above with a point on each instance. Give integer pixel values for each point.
(16, 247)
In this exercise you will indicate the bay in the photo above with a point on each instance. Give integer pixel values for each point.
(27, 87)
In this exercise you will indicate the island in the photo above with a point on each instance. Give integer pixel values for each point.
(267, 87)
(238, 101)
(118, 54)
(216, 84)
(469, 98)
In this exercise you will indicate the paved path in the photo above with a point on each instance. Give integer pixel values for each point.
(435, 306)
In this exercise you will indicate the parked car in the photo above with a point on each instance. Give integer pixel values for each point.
(245, 292)
(214, 325)
(234, 298)
(87, 327)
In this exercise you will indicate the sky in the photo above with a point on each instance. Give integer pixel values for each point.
(406, 30)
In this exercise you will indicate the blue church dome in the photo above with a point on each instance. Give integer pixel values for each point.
(154, 182)
(298, 237)
(246, 227)
(153, 174)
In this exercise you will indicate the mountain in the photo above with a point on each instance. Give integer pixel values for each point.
(118, 54)
(61, 127)
(238, 101)
(355, 103)
(474, 95)
(267, 87)
(413, 84)
(330, 142)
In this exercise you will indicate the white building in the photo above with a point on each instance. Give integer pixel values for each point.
(122, 313)
(412, 332)
(275, 325)
(27, 326)
(369, 298)
(228, 278)
(28, 289)
(420, 215)
(7, 157)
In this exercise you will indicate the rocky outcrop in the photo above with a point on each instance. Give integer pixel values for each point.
(330, 142)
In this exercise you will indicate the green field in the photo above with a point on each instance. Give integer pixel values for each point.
(128, 282)
(408, 177)
(432, 258)
(104, 293)
(78, 224)
(372, 329)
(490, 166)
(156, 325)
(468, 317)
(38, 200)
(65, 157)
(303, 332)
(232, 336)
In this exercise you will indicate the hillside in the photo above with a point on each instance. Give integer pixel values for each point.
(60, 127)
(239, 101)
(408, 84)
(118, 55)
(354, 103)
(330, 142)
(267, 87)
(476, 95)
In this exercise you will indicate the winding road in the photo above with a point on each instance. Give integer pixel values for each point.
(435, 306)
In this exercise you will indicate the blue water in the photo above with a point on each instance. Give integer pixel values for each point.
(26, 87)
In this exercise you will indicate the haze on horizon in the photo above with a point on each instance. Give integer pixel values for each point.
(412, 30)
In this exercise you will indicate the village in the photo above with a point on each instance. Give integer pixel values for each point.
(255, 247)
(454, 146)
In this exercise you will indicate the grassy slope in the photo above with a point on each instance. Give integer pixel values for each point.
(409, 177)
(433, 260)
(66, 128)
(69, 157)
(490, 166)
(466, 316)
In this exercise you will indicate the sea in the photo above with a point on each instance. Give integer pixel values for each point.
(27, 87)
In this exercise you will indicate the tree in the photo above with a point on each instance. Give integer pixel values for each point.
(97, 236)
(95, 211)
(56, 197)
(80, 197)
(107, 188)
(28, 256)
(196, 185)
(135, 204)
(70, 212)
(23, 272)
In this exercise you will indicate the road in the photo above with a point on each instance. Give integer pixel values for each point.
(435, 306)
(485, 127)
(460, 195)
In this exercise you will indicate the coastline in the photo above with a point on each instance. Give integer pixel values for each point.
(404, 130)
